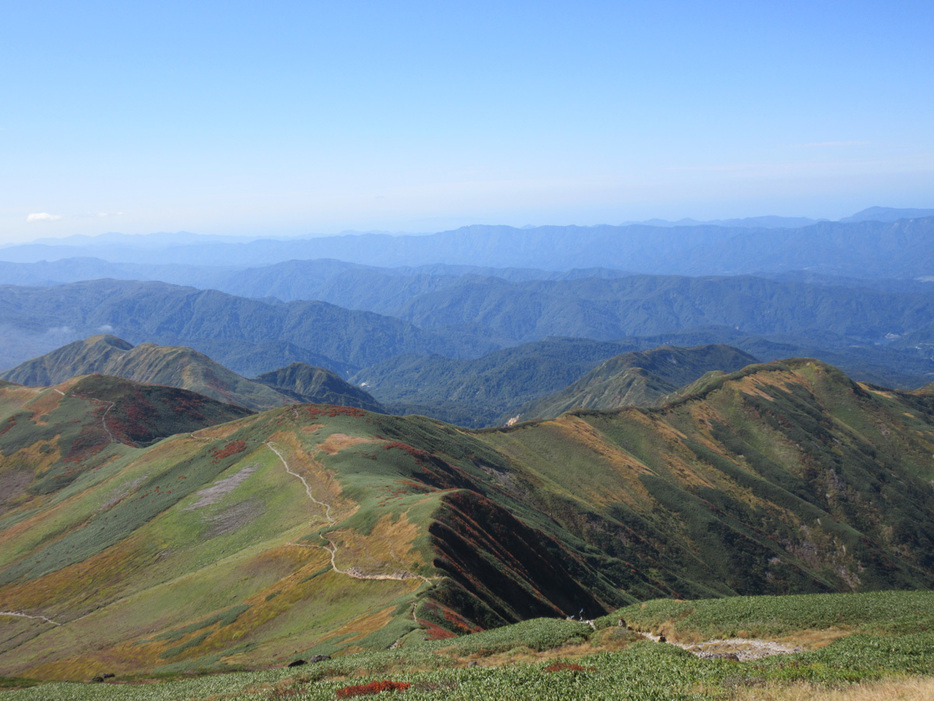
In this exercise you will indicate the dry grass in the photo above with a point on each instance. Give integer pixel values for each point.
(905, 689)
(336, 442)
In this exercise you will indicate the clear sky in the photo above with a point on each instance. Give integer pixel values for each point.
(287, 118)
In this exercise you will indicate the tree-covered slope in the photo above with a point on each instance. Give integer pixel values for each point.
(477, 392)
(212, 321)
(314, 385)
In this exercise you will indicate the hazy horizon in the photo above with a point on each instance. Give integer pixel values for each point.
(287, 120)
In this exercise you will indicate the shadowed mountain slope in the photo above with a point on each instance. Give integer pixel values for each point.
(312, 385)
(637, 379)
(314, 530)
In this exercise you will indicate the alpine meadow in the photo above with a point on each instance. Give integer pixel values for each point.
(520, 351)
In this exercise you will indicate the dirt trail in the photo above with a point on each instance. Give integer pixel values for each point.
(19, 614)
(327, 507)
(331, 547)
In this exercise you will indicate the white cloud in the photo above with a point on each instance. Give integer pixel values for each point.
(42, 216)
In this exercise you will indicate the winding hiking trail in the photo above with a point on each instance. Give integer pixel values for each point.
(331, 547)
(327, 507)
(19, 614)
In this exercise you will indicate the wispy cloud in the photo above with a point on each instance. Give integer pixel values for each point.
(42, 216)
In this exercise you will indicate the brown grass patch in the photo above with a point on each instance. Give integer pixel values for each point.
(903, 689)
(361, 627)
(525, 655)
(630, 489)
(814, 639)
(386, 550)
(83, 586)
(45, 403)
(322, 481)
(336, 442)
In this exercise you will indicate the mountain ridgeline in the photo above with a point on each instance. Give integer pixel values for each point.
(874, 243)
(185, 368)
(637, 379)
(316, 529)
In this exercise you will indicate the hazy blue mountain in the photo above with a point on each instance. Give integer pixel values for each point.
(651, 305)
(202, 319)
(766, 222)
(887, 214)
(866, 248)
(66, 270)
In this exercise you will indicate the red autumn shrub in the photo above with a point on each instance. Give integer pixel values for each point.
(371, 688)
(231, 448)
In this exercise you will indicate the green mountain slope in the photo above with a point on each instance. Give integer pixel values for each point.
(174, 366)
(315, 530)
(314, 385)
(637, 379)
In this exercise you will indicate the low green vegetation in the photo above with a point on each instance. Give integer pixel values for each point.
(875, 613)
(876, 637)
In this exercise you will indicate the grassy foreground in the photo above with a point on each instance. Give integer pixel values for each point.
(855, 647)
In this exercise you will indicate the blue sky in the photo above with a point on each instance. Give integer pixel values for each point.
(288, 118)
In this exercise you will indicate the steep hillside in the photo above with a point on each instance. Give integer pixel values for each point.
(637, 379)
(313, 530)
(149, 363)
(313, 385)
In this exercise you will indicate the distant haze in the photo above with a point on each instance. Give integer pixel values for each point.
(416, 116)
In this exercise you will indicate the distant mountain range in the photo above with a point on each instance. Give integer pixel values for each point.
(869, 245)
(437, 350)
(215, 323)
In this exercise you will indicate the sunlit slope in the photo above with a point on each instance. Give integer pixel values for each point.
(315, 529)
(778, 478)
(303, 529)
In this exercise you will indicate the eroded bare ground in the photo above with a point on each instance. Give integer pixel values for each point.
(742, 649)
